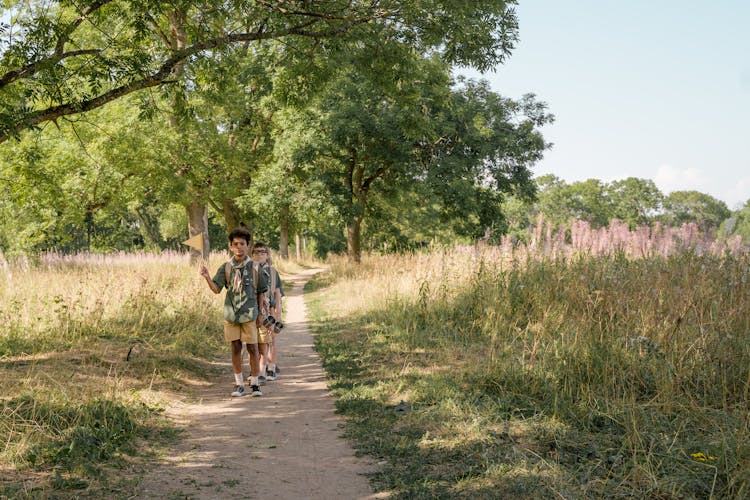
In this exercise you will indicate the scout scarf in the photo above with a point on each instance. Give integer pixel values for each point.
(237, 280)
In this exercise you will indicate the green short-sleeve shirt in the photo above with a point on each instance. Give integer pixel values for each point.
(241, 306)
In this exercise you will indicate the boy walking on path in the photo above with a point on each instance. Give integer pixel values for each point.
(245, 290)
(272, 304)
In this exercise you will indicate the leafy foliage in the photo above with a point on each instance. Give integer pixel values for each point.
(738, 223)
(637, 202)
(64, 58)
(84, 186)
(460, 147)
(681, 207)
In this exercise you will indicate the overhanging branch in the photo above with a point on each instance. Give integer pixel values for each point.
(163, 73)
(59, 54)
(32, 68)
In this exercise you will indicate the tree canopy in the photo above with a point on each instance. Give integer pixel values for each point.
(338, 121)
(461, 146)
(61, 58)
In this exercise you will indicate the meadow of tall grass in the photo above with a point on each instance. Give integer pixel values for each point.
(91, 347)
(519, 371)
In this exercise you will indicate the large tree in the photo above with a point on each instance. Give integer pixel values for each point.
(82, 186)
(681, 207)
(561, 202)
(465, 146)
(356, 135)
(635, 201)
(482, 148)
(63, 58)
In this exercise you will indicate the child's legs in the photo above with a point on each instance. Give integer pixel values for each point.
(253, 359)
(250, 338)
(272, 351)
(237, 356)
(263, 351)
(233, 335)
(264, 339)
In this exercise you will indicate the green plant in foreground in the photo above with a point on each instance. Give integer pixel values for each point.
(75, 436)
(77, 445)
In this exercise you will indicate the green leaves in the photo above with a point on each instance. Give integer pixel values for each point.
(76, 57)
(451, 152)
(355, 95)
(692, 206)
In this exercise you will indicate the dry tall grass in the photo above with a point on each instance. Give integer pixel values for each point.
(91, 341)
(622, 374)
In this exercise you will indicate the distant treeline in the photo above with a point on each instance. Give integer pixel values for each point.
(636, 202)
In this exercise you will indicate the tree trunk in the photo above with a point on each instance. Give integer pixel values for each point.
(231, 214)
(298, 246)
(284, 234)
(353, 228)
(197, 213)
(197, 216)
(149, 228)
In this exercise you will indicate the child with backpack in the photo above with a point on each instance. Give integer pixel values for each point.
(246, 287)
(272, 299)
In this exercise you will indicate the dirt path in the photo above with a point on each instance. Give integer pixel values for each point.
(284, 445)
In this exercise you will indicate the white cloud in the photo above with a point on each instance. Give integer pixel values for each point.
(738, 194)
(669, 178)
(734, 192)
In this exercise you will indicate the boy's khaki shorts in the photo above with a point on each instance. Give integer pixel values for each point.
(246, 332)
(264, 336)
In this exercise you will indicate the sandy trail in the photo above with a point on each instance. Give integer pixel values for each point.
(285, 444)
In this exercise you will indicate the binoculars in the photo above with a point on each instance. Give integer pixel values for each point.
(272, 323)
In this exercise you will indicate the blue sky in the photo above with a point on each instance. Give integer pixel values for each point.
(651, 89)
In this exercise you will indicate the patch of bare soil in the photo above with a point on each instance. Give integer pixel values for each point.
(286, 444)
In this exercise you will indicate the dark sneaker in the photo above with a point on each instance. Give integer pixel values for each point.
(255, 391)
(271, 375)
(278, 370)
(262, 380)
(238, 391)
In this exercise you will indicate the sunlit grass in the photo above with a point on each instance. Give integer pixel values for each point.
(292, 265)
(570, 376)
(91, 349)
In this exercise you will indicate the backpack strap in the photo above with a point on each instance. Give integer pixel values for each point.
(272, 284)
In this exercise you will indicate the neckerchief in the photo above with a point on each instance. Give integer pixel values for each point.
(237, 279)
